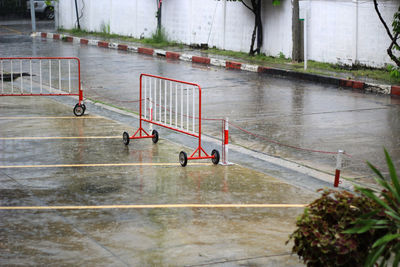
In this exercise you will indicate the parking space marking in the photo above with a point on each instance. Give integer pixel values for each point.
(10, 29)
(97, 165)
(54, 117)
(59, 137)
(154, 206)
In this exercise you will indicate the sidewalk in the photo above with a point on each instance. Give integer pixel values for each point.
(343, 80)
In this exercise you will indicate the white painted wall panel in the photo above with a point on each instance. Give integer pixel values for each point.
(348, 32)
(336, 34)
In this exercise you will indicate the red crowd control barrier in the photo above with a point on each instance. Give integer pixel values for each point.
(42, 76)
(175, 105)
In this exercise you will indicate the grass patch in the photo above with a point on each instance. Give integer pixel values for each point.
(359, 72)
(242, 55)
(157, 40)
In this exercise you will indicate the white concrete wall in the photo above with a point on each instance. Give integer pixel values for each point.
(348, 32)
(186, 21)
(132, 18)
(340, 31)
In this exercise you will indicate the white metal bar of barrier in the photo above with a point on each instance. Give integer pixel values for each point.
(22, 83)
(69, 76)
(165, 102)
(59, 74)
(40, 75)
(194, 113)
(160, 118)
(155, 100)
(2, 77)
(145, 98)
(170, 103)
(181, 106)
(176, 105)
(30, 71)
(12, 78)
(150, 101)
(187, 108)
(50, 74)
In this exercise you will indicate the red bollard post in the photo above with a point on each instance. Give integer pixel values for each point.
(339, 158)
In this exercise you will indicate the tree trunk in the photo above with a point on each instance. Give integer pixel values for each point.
(257, 30)
(392, 38)
(390, 50)
(253, 38)
(159, 16)
(295, 31)
(259, 27)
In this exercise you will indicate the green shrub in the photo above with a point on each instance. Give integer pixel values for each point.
(387, 246)
(320, 239)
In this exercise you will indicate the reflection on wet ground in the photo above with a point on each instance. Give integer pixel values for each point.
(290, 116)
(129, 237)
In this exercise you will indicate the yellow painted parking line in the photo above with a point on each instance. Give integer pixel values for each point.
(59, 137)
(154, 206)
(54, 117)
(96, 165)
(10, 29)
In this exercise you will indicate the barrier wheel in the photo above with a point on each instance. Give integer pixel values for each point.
(155, 137)
(79, 110)
(183, 158)
(125, 138)
(84, 107)
(215, 159)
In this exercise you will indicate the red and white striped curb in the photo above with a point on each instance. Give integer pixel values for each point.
(232, 65)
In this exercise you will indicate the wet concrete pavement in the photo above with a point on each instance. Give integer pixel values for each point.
(292, 112)
(292, 117)
(128, 237)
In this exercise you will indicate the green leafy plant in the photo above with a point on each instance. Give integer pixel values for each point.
(105, 28)
(320, 239)
(394, 71)
(387, 246)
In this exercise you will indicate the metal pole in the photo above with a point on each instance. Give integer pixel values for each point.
(224, 26)
(33, 19)
(226, 141)
(339, 158)
(77, 16)
(305, 39)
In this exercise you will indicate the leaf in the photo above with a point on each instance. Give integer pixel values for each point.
(367, 225)
(393, 215)
(396, 260)
(376, 171)
(393, 174)
(374, 255)
(370, 194)
(276, 2)
(385, 239)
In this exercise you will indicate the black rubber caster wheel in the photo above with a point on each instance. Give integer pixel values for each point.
(215, 159)
(79, 110)
(183, 158)
(155, 137)
(84, 107)
(125, 138)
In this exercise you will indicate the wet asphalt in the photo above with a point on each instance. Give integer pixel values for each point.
(297, 113)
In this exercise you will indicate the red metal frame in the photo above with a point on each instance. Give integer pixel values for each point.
(199, 150)
(80, 92)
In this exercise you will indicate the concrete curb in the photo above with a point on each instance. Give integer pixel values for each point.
(232, 65)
